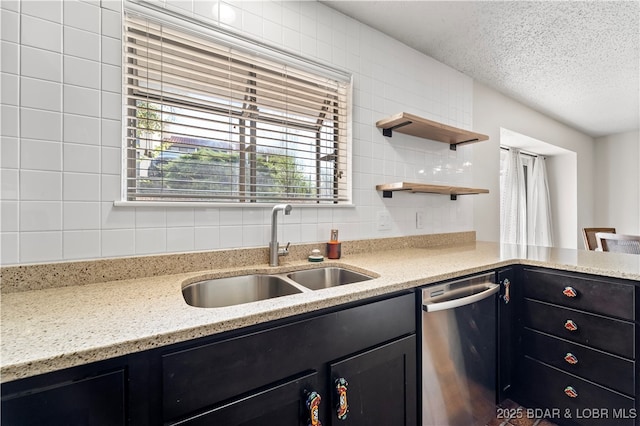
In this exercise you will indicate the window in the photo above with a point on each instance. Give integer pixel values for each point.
(207, 121)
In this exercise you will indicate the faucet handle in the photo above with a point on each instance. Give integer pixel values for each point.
(284, 251)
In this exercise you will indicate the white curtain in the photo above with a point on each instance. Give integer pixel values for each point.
(525, 210)
(513, 202)
(539, 208)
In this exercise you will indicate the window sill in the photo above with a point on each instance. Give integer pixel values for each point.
(221, 205)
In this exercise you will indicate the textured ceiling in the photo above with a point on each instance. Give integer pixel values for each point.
(576, 61)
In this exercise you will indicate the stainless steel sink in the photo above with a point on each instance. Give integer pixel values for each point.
(316, 279)
(220, 292)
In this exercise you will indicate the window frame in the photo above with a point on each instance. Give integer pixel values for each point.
(169, 18)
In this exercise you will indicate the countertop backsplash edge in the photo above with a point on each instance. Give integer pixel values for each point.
(17, 278)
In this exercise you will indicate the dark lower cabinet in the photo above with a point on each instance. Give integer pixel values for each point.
(278, 374)
(574, 348)
(380, 386)
(97, 400)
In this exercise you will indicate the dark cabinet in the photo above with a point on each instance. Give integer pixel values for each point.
(51, 400)
(377, 384)
(265, 375)
(574, 353)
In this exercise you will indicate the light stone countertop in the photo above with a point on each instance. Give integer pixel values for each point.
(54, 328)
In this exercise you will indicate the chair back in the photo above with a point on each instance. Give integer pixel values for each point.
(589, 235)
(618, 243)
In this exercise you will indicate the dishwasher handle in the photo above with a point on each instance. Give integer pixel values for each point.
(463, 301)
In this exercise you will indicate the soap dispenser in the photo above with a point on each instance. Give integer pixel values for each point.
(334, 247)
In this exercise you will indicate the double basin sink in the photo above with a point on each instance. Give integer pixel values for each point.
(229, 291)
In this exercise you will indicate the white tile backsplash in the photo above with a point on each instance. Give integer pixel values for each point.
(40, 155)
(62, 136)
(38, 63)
(82, 44)
(84, 16)
(81, 244)
(36, 32)
(81, 72)
(44, 9)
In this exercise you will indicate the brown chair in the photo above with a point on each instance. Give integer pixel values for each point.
(618, 243)
(589, 235)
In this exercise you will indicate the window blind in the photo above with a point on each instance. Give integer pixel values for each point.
(207, 121)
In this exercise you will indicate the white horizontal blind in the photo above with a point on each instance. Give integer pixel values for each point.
(208, 122)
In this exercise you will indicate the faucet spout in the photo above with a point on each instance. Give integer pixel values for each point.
(274, 250)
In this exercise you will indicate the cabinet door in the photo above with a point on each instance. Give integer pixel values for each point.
(92, 401)
(280, 404)
(381, 386)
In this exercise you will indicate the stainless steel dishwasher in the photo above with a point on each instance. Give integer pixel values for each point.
(459, 352)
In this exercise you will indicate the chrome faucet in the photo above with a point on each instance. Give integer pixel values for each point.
(274, 249)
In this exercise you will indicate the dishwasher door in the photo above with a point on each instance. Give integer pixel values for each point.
(459, 352)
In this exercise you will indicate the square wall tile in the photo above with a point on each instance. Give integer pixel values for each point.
(42, 64)
(9, 250)
(9, 216)
(40, 155)
(84, 16)
(40, 94)
(81, 129)
(82, 101)
(151, 217)
(10, 121)
(40, 246)
(9, 57)
(40, 216)
(81, 245)
(36, 32)
(113, 217)
(111, 133)
(81, 72)
(81, 158)
(10, 85)
(111, 51)
(180, 239)
(81, 216)
(118, 242)
(180, 216)
(111, 161)
(111, 105)
(81, 187)
(81, 44)
(45, 9)
(9, 26)
(112, 78)
(9, 184)
(230, 236)
(111, 24)
(151, 240)
(207, 238)
(37, 185)
(9, 152)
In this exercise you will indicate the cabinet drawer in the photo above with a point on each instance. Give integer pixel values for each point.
(611, 335)
(591, 404)
(201, 376)
(608, 370)
(598, 295)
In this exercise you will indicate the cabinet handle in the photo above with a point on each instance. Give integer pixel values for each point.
(571, 392)
(570, 325)
(313, 405)
(570, 292)
(571, 358)
(507, 285)
(342, 408)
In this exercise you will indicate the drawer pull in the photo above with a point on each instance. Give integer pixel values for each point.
(313, 407)
(570, 325)
(341, 391)
(507, 296)
(570, 292)
(571, 358)
(570, 392)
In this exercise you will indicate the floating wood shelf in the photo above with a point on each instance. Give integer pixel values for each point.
(421, 127)
(388, 189)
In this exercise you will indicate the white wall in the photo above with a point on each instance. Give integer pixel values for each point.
(617, 184)
(493, 111)
(562, 174)
(61, 138)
